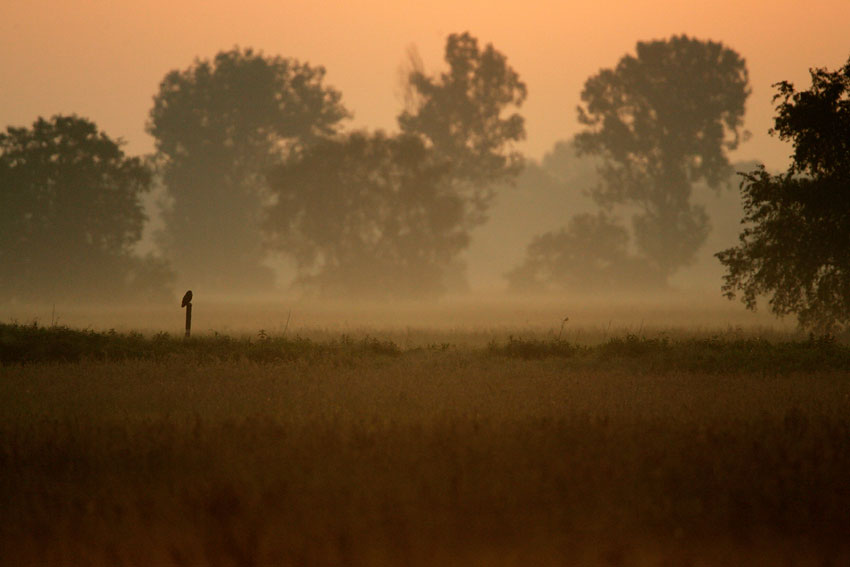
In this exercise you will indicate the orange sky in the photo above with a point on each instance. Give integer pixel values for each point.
(103, 59)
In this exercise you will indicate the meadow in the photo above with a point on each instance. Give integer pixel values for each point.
(299, 447)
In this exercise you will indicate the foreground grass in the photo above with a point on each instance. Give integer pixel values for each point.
(525, 452)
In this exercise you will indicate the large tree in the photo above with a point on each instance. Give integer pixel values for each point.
(219, 126)
(795, 247)
(466, 115)
(70, 215)
(378, 215)
(662, 120)
(369, 215)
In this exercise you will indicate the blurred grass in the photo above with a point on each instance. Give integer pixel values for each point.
(721, 353)
(636, 451)
(21, 344)
(715, 353)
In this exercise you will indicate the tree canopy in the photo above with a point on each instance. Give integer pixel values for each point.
(795, 247)
(371, 214)
(219, 126)
(368, 215)
(70, 214)
(465, 115)
(662, 120)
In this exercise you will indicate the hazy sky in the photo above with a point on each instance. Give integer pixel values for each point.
(104, 59)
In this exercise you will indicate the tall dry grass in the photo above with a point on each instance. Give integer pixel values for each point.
(425, 457)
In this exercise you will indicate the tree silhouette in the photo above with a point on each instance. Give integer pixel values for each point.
(70, 214)
(219, 126)
(795, 246)
(378, 215)
(662, 120)
(460, 115)
(369, 215)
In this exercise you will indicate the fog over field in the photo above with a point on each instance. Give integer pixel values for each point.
(414, 153)
(424, 283)
(476, 319)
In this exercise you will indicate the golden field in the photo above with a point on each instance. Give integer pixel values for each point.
(354, 451)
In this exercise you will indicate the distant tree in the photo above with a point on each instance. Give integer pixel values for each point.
(795, 247)
(369, 215)
(464, 116)
(70, 214)
(590, 254)
(219, 126)
(533, 203)
(564, 164)
(661, 121)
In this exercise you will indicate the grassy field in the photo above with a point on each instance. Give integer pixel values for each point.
(671, 449)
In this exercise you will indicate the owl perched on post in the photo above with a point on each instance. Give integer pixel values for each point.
(187, 299)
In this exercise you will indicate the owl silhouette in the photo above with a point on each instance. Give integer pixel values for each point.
(187, 299)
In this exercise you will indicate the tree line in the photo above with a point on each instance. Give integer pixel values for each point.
(253, 158)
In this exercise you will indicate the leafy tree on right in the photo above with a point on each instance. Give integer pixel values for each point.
(795, 247)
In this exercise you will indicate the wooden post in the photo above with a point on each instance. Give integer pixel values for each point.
(188, 319)
(187, 303)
